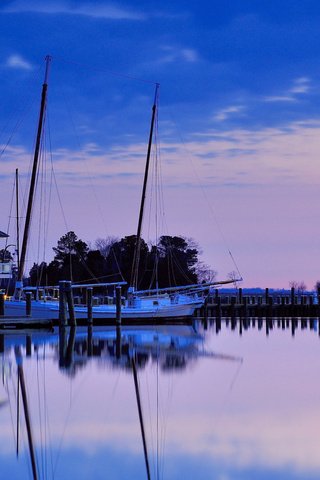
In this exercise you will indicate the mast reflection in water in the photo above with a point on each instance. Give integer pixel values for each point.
(225, 399)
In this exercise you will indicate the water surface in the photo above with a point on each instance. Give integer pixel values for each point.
(222, 400)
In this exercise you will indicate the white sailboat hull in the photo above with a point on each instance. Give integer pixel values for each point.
(147, 308)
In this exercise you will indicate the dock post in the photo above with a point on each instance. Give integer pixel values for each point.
(69, 297)
(216, 295)
(62, 304)
(118, 304)
(2, 304)
(292, 296)
(218, 306)
(240, 296)
(28, 304)
(267, 296)
(89, 305)
(244, 306)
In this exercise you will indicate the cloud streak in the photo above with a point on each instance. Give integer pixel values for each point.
(240, 157)
(106, 12)
(300, 86)
(16, 61)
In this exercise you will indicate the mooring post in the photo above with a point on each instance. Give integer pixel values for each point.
(118, 304)
(2, 295)
(69, 296)
(244, 303)
(89, 305)
(218, 306)
(28, 304)
(292, 295)
(62, 304)
(240, 296)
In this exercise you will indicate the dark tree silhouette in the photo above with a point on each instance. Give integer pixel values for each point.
(174, 258)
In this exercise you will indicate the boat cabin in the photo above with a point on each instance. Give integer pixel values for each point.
(5, 264)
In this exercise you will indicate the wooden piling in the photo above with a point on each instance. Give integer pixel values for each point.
(240, 296)
(62, 304)
(2, 295)
(118, 304)
(69, 298)
(89, 305)
(292, 295)
(28, 304)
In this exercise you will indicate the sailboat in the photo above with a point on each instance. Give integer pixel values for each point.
(177, 301)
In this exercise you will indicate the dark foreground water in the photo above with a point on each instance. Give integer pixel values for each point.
(240, 400)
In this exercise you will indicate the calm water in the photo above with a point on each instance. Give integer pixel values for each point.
(230, 401)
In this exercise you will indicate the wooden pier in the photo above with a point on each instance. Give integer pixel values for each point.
(273, 305)
(239, 304)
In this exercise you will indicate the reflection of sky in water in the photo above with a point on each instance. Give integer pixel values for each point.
(217, 417)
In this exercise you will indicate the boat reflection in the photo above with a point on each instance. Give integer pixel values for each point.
(172, 346)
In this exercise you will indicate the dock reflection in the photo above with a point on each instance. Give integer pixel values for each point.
(264, 325)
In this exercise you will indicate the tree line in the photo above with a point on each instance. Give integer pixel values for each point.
(174, 260)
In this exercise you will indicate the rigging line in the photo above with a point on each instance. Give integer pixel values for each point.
(10, 408)
(203, 190)
(10, 212)
(84, 159)
(59, 197)
(19, 121)
(72, 395)
(116, 260)
(103, 70)
(45, 213)
(40, 175)
(51, 179)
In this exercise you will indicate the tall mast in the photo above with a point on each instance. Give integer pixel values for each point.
(33, 176)
(136, 258)
(17, 222)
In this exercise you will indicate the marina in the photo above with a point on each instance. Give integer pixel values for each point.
(159, 242)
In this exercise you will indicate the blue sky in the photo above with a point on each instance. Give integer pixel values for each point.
(238, 122)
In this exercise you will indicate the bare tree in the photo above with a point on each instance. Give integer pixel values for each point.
(205, 274)
(105, 244)
(300, 287)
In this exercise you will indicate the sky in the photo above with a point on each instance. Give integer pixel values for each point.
(238, 127)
